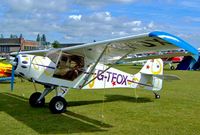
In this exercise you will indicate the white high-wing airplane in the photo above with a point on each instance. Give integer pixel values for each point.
(90, 66)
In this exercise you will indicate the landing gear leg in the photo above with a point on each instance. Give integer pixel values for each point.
(58, 104)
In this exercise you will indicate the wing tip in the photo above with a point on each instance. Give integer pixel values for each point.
(180, 43)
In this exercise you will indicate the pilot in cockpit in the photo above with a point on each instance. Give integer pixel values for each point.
(62, 67)
(69, 67)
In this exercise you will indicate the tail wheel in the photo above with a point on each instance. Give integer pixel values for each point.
(33, 100)
(172, 67)
(157, 96)
(57, 105)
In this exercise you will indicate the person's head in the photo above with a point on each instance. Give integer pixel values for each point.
(62, 63)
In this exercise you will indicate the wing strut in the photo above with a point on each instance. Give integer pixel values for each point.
(93, 67)
(105, 69)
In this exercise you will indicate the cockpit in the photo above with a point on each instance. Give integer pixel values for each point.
(69, 66)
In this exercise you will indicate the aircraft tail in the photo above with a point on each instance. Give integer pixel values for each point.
(150, 77)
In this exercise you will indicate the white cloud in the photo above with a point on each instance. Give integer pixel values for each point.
(102, 25)
(192, 19)
(51, 18)
(190, 4)
(103, 16)
(123, 1)
(88, 21)
(67, 37)
(37, 5)
(133, 23)
(150, 25)
(184, 36)
(136, 29)
(119, 33)
(75, 17)
(94, 4)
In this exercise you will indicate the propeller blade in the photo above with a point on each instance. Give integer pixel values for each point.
(13, 62)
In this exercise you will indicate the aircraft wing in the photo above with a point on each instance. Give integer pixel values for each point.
(34, 52)
(117, 49)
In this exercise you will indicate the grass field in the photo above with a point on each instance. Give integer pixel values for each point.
(113, 111)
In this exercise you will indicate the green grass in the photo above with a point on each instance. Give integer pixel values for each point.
(113, 111)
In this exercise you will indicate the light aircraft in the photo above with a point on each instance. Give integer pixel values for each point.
(175, 59)
(90, 66)
(170, 61)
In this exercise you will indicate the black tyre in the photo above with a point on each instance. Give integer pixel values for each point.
(57, 105)
(157, 96)
(33, 100)
(172, 67)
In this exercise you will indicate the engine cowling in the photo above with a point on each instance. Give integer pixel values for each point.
(34, 67)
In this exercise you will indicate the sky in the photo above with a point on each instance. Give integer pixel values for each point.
(69, 21)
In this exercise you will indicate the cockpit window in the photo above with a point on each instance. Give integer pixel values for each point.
(69, 66)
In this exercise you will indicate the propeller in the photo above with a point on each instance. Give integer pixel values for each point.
(14, 63)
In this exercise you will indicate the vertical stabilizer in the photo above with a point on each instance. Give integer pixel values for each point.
(149, 75)
(153, 66)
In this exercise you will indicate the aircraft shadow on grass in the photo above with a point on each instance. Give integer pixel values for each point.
(43, 122)
(5, 82)
(111, 98)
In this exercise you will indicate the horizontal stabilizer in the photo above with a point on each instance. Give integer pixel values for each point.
(165, 77)
(171, 77)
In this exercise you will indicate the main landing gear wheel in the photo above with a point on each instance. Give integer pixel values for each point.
(57, 105)
(33, 100)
